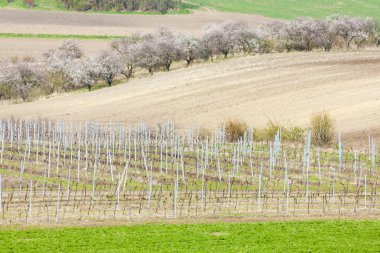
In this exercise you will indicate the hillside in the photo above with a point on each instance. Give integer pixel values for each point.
(73, 23)
(285, 87)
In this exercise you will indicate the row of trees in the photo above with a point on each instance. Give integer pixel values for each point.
(122, 5)
(66, 68)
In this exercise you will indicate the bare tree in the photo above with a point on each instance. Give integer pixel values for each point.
(301, 34)
(252, 40)
(147, 55)
(278, 35)
(356, 29)
(85, 72)
(220, 39)
(127, 48)
(326, 34)
(191, 48)
(110, 65)
(168, 47)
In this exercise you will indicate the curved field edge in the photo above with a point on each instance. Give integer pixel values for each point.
(300, 236)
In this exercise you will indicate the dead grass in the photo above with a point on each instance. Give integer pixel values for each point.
(235, 129)
(323, 128)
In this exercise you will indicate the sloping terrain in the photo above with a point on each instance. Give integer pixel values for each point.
(68, 23)
(285, 87)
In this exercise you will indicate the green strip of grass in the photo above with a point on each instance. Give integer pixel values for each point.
(59, 36)
(307, 236)
(290, 9)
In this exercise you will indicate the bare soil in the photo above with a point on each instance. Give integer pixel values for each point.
(30, 47)
(51, 22)
(288, 88)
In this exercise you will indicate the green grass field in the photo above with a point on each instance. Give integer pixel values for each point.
(290, 9)
(284, 9)
(306, 236)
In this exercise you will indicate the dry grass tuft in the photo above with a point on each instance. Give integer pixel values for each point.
(323, 128)
(235, 129)
(204, 133)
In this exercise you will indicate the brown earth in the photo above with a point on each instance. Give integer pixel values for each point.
(285, 87)
(51, 22)
(28, 47)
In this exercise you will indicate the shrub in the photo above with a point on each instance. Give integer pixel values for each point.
(323, 128)
(131, 5)
(5, 91)
(288, 133)
(70, 70)
(30, 3)
(19, 79)
(272, 129)
(235, 129)
(204, 133)
(293, 134)
(269, 132)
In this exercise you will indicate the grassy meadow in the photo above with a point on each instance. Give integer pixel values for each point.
(304, 236)
(290, 9)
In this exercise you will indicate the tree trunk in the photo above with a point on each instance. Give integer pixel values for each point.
(109, 80)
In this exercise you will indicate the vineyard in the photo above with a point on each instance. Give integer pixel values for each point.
(59, 172)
